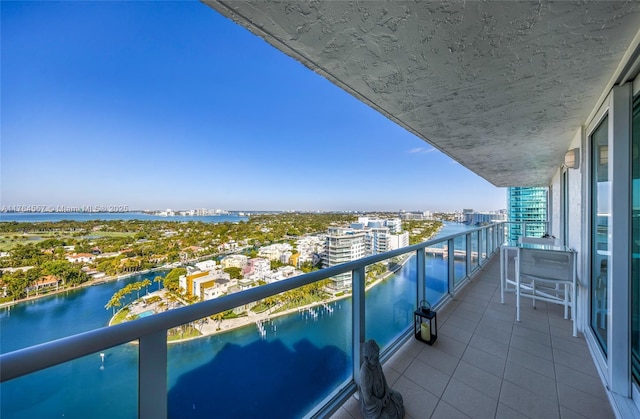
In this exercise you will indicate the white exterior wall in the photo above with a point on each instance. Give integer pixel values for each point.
(284, 257)
(206, 265)
(577, 202)
(182, 282)
(394, 224)
(261, 267)
(212, 292)
(554, 205)
(397, 241)
(237, 261)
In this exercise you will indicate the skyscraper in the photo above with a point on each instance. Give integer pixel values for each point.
(527, 205)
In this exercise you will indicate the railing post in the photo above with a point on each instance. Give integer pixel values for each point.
(493, 239)
(479, 246)
(451, 253)
(486, 243)
(357, 315)
(421, 280)
(468, 240)
(152, 376)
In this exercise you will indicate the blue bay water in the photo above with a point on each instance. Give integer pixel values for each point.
(38, 217)
(304, 355)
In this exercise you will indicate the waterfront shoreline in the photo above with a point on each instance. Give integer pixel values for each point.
(228, 325)
(90, 283)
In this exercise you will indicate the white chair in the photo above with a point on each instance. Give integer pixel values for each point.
(547, 275)
(508, 260)
(508, 253)
(539, 240)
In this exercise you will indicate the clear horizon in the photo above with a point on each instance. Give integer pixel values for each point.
(158, 105)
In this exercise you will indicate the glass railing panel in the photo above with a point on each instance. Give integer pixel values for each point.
(270, 357)
(474, 249)
(100, 385)
(390, 298)
(490, 240)
(502, 233)
(459, 259)
(483, 244)
(436, 272)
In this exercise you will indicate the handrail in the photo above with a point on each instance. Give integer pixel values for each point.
(35, 358)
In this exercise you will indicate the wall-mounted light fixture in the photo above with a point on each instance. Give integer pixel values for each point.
(604, 154)
(572, 158)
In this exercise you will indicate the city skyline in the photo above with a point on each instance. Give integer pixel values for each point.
(170, 105)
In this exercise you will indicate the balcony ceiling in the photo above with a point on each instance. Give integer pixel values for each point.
(500, 87)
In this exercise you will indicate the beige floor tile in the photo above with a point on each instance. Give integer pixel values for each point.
(485, 361)
(453, 332)
(446, 411)
(581, 381)
(505, 412)
(418, 402)
(427, 377)
(532, 362)
(485, 364)
(528, 403)
(469, 401)
(439, 360)
(534, 348)
(478, 379)
(583, 403)
(532, 381)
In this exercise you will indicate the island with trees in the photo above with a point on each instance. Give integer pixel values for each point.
(45, 257)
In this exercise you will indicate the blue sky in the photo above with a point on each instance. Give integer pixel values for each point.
(170, 105)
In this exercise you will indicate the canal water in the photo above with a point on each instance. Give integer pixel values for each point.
(281, 372)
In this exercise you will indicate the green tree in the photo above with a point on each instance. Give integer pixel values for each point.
(275, 264)
(171, 280)
(154, 300)
(115, 301)
(17, 283)
(218, 317)
(234, 272)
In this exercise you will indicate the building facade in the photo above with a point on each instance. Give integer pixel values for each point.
(527, 205)
(343, 245)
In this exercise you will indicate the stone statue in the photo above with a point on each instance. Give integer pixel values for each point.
(377, 399)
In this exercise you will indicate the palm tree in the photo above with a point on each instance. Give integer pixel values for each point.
(144, 284)
(218, 317)
(172, 299)
(115, 301)
(158, 279)
(154, 300)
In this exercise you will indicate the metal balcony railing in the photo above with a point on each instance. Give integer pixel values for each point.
(464, 253)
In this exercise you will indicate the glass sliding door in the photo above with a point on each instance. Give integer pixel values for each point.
(635, 243)
(564, 210)
(600, 230)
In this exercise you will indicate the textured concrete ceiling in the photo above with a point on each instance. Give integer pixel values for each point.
(501, 87)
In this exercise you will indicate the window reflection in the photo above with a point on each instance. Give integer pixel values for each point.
(635, 243)
(600, 232)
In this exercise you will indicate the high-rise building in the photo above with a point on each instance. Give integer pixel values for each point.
(527, 205)
(343, 245)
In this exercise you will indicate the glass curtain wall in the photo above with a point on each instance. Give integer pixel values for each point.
(600, 230)
(527, 205)
(635, 243)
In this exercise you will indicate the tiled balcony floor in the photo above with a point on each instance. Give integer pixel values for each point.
(486, 365)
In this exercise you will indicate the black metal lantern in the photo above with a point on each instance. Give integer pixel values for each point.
(425, 323)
